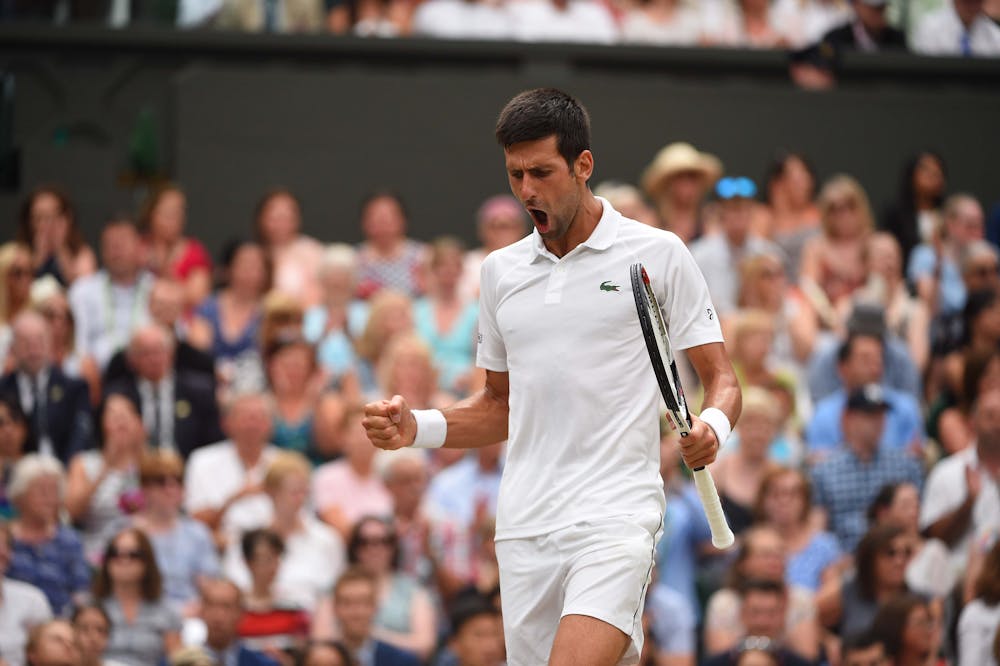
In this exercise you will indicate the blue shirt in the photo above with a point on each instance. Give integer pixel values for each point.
(335, 349)
(845, 486)
(456, 490)
(806, 566)
(903, 423)
(57, 567)
(951, 288)
(183, 554)
(685, 529)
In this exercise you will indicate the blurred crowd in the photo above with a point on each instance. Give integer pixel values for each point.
(184, 478)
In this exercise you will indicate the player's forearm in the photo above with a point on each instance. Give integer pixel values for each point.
(479, 420)
(724, 394)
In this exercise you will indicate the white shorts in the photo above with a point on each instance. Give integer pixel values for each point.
(599, 569)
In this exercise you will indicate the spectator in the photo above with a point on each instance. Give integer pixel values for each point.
(863, 649)
(950, 418)
(562, 21)
(144, 628)
(910, 629)
(314, 553)
(672, 635)
(790, 193)
(847, 481)
(466, 492)
(457, 19)
(51, 644)
(296, 383)
(500, 221)
(476, 633)
(860, 364)
(23, 607)
(848, 603)
(743, 24)
(981, 337)
(15, 290)
(44, 552)
(345, 490)
(221, 610)
(806, 21)
(661, 23)
(761, 556)
(676, 181)
(57, 406)
(103, 484)
(784, 503)
(171, 254)
(963, 495)
(387, 259)
(269, 624)
(334, 324)
(179, 411)
(391, 314)
(960, 28)
(13, 435)
(47, 224)
(929, 571)
(867, 31)
(93, 627)
(294, 257)
(326, 653)
(979, 620)
(185, 552)
(110, 304)
(445, 321)
(735, 207)
(257, 16)
(916, 213)
(354, 606)
(628, 200)
(224, 481)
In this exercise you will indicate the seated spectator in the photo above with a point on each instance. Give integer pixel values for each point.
(466, 492)
(391, 314)
(676, 182)
(562, 21)
(980, 618)
(916, 214)
(445, 321)
(326, 653)
(185, 552)
(743, 24)
(314, 553)
(47, 224)
(860, 364)
(345, 490)
(627, 200)
(868, 30)
(170, 253)
(672, 638)
(294, 16)
(863, 649)
(950, 417)
(929, 571)
(221, 611)
(981, 337)
(784, 503)
(354, 607)
(44, 552)
(13, 435)
(406, 367)
(500, 221)
(381, 18)
(848, 603)
(111, 303)
(846, 482)
(294, 256)
(334, 324)
(959, 28)
(224, 481)
(93, 627)
(910, 628)
(458, 19)
(661, 23)
(51, 644)
(144, 627)
(761, 557)
(15, 293)
(387, 259)
(23, 607)
(57, 406)
(806, 21)
(103, 483)
(179, 410)
(790, 193)
(963, 495)
(269, 624)
(476, 633)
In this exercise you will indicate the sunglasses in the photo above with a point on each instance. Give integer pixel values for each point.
(730, 188)
(115, 554)
(377, 541)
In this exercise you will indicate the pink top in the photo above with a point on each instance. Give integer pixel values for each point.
(193, 257)
(337, 484)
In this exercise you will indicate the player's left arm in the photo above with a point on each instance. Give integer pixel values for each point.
(722, 392)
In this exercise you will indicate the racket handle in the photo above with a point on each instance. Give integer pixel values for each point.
(722, 536)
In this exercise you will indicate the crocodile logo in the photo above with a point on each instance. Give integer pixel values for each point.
(607, 286)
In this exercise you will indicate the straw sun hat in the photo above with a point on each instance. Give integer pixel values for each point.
(679, 158)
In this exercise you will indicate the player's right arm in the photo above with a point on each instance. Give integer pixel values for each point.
(479, 420)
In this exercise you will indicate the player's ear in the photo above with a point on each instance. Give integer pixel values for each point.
(583, 167)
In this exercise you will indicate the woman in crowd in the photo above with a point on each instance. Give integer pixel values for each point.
(185, 552)
(981, 336)
(296, 382)
(144, 627)
(761, 556)
(444, 320)
(833, 263)
(979, 621)
(295, 256)
(387, 259)
(45, 552)
(13, 435)
(909, 627)
(742, 24)
(790, 189)
(269, 622)
(848, 603)
(662, 23)
(103, 483)
(16, 275)
(314, 553)
(170, 253)
(949, 420)
(916, 213)
(47, 224)
(784, 504)
(391, 314)
(93, 627)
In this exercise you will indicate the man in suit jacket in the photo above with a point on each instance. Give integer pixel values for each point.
(179, 409)
(221, 610)
(868, 31)
(354, 606)
(57, 406)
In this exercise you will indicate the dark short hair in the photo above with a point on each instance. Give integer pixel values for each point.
(861, 640)
(890, 621)
(249, 541)
(468, 607)
(847, 346)
(882, 501)
(353, 575)
(763, 586)
(543, 112)
(81, 608)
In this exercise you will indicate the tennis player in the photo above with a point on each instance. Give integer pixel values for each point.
(569, 385)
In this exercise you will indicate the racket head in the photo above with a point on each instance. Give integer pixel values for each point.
(654, 332)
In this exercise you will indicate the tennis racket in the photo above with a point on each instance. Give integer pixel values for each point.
(654, 331)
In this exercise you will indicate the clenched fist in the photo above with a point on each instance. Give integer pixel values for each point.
(389, 424)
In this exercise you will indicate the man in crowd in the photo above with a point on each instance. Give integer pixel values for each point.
(476, 633)
(354, 606)
(869, 30)
(52, 644)
(22, 608)
(221, 611)
(959, 28)
(864, 649)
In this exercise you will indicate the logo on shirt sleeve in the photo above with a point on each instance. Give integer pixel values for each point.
(711, 315)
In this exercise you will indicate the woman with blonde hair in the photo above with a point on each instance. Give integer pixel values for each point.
(391, 313)
(16, 275)
(334, 323)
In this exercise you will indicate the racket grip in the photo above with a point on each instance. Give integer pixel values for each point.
(722, 536)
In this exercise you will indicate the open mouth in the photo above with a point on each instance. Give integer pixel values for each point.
(540, 217)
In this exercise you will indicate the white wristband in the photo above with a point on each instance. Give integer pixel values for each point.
(432, 428)
(717, 420)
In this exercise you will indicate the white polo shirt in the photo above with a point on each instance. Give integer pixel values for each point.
(584, 404)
